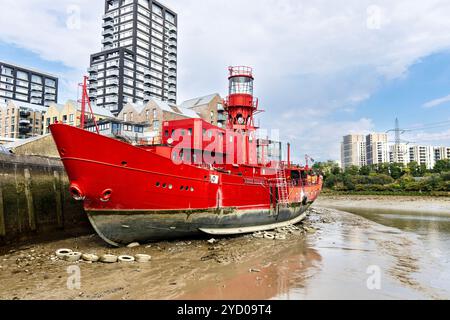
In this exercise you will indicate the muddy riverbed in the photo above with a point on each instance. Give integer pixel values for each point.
(338, 255)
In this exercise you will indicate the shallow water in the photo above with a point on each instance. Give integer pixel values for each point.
(409, 251)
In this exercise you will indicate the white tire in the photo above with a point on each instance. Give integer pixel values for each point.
(108, 258)
(143, 258)
(269, 236)
(62, 253)
(126, 259)
(90, 257)
(73, 257)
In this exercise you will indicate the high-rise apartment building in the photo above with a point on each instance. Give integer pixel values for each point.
(377, 148)
(441, 153)
(353, 151)
(27, 85)
(423, 155)
(139, 56)
(399, 154)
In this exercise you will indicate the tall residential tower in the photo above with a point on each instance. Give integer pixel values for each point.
(353, 151)
(139, 56)
(27, 85)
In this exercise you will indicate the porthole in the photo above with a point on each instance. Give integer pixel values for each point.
(158, 184)
(164, 186)
(182, 188)
(192, 189)
(170, 187)
(187, 188)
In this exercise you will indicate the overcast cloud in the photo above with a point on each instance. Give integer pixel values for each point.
(312, 58)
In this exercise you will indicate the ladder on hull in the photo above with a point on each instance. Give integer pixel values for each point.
(282, 187)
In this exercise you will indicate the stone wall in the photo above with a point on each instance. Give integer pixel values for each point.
(35, 202)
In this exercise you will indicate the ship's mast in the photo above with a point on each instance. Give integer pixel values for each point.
(241, 108)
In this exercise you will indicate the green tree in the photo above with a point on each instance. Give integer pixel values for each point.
(442, 166)
(396, 170)
(352, 170)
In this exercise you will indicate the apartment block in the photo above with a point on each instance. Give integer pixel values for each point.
(441, 153)
(20, 120)
(27, 85)
(138, 60)
(423, 155)
(377, 148)
(399, 154)
(70, 114)
(353, 151)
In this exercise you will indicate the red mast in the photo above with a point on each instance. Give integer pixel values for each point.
(85, 99)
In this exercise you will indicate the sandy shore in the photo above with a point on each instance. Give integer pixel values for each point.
(440, 205)
(328, 260)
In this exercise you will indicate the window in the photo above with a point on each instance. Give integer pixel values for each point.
(55, 119)
(155, 125)
(125, 117)
(71, 118)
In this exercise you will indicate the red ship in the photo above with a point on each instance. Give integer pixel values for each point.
(202, 179)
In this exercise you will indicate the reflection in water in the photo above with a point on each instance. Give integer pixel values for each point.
(276, 273)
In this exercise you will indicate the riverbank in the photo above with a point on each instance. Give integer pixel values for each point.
(439, 205)
(335, 251)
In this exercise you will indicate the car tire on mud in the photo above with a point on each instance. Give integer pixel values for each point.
(62, 253)
(108, 258)
(126, 259)
(73, 257)
(90, 257)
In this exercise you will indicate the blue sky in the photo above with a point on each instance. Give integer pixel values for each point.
(323, 68)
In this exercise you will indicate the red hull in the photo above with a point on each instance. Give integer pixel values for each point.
(115, 177)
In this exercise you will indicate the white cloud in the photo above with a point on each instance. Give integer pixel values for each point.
(437, 102)
(312, 58)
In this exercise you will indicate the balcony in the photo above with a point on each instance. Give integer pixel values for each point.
(172, 36)
(108, 41)
(113, 64)
(49, 96)
(112, 73)
(110, 100)
(108, 17)
(36, 88)
(92, 70)
(108, 32)
(172, 51)
(24, 113)
(36, 100)
(112, 82)
(172, 43)
(172, 66)
(172, 74)
(36, 94)
(24, 122)
(171, 27)
(147, 74)
(108, 24)
(49, 90)
(172, 97)
(172, 58)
